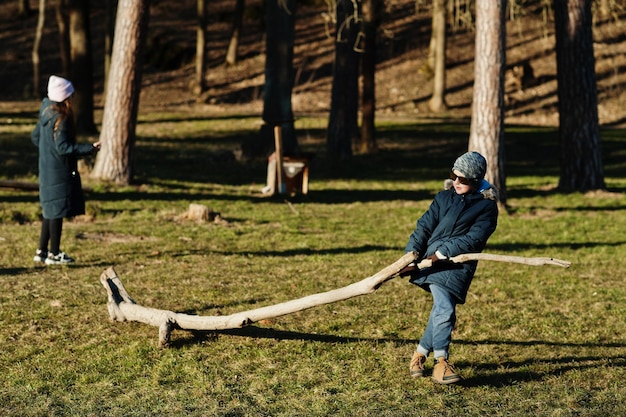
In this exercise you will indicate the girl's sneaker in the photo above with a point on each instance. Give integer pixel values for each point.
(40, 256)
(59, 258)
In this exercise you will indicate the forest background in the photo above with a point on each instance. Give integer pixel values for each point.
(530, 341)
(403, 85)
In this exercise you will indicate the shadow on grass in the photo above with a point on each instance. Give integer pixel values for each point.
(494, 374)
(326, 196)
(512, 248)
(301, 251)
(408, 153)
(15, 271)
(269, 333)
(517, 247)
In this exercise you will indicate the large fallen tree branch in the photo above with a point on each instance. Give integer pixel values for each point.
(122, 307)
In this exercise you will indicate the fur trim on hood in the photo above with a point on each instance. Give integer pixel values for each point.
(486, 189)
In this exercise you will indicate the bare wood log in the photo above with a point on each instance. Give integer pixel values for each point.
(122, 307)
(539, 261)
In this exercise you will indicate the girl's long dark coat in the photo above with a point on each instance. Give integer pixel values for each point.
(60, 191)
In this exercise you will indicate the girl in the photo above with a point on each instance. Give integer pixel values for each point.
(60, 190)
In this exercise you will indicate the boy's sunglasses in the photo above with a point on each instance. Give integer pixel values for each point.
(462, 180)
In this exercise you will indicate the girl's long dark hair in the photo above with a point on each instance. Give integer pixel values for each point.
(64, 109)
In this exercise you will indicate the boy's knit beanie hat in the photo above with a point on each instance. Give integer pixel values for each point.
(59, 88)
(472, 165)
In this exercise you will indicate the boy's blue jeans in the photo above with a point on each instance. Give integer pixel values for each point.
(438, 333)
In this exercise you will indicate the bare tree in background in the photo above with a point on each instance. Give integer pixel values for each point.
(437, 57)
(41, 20)
(579, 132)
(372, 10)
(199, 84)
(109, 28)
(82, 66)
(342, 124)
(487, 126)
(235, 33)
(23, 8)
(63, 24)
(74, 27)
(280, 18)
(115, 160)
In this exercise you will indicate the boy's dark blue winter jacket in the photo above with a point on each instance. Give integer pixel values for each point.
(454, 224)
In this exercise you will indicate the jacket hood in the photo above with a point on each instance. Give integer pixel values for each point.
(484, 188)
(46, 112)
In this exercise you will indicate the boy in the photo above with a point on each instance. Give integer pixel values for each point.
(459, 220)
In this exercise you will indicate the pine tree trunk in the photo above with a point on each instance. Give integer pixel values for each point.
(63, 23)
(233, 44)
(114, 161)
(277, 108)
(342, 124)
(82, 66)
(199, 85)
(437, 101)
(23, 8)
(371, 19)
(36, 46)
(109, 25)
(579, 132)
(487, 126)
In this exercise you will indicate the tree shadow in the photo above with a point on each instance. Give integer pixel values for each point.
(517, 247)
(270, 333)
(487, 373)
(491, 374)
(304, 251)
(15, 271)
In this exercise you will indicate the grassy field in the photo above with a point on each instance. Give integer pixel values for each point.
(544, 341)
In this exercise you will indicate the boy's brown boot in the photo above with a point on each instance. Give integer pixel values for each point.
(417, 364)
(443, 372)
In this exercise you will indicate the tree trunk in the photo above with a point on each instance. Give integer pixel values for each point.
(114, 161)
(23, 8)
(579, 132)
(62, 17)
(437, 101)
(109, 28)
(235, 33)
(371, 20)
(199, 85)
(487, 126)
(36, 46)
(277, 109)
(82, 66)
(342, 124)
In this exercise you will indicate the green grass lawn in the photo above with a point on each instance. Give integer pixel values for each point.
(544, 341)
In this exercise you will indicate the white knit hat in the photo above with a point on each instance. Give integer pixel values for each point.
(59, 88)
